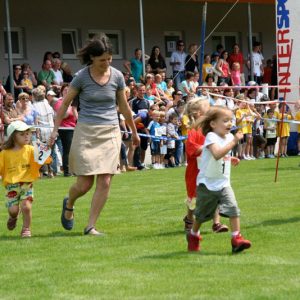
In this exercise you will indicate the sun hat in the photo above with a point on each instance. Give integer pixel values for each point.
(51, 93)
(17, 126)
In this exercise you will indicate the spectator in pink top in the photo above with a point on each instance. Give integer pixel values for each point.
(223, 68)
(237, 56)
(66, 135)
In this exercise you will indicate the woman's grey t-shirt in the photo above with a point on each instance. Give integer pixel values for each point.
(98, 102)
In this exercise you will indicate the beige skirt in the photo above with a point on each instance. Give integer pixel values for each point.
(95, 149)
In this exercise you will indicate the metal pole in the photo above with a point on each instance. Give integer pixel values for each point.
(142, 36)
(203, 31)
(250, 41)
(9, 48)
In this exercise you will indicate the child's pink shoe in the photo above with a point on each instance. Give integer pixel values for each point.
(239, 244)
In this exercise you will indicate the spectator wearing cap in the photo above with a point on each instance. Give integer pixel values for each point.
(177, 61)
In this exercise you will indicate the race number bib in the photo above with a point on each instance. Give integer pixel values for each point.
(41, 152)
(218, 168)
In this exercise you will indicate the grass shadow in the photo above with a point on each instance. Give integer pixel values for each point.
(183, 254)
(55, 234)
(275, 222)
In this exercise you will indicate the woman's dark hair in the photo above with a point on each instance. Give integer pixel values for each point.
(152, 55)
(222, 54)
(95, 47)
(213, 114)
(47, 53)
(209, 76)
(189, 75)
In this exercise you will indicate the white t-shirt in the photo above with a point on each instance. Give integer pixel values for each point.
(58, 77)
(215, 174)
(257, 62)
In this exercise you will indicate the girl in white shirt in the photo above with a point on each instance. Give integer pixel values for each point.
(213, 180)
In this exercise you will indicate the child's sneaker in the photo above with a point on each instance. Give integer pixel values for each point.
(239, 244)
(218, 228)
(193, 242)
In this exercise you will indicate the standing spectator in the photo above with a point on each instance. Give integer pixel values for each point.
(153, 128)
(236, 77)
(191, 60)
(66, 134)
(135, 65)
(223, 68)
(157, 61)
(207, 67)
(177, 61)
(45, 119)
(258, 67)
(268, 69)
(237, 57)
(139, 103)
(96, 142)
(172, 135)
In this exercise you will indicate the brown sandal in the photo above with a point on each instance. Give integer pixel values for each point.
(12, 223)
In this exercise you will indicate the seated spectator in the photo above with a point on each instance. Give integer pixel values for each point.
(25, 108)
(17, 79)
(26, 83)
(56, 64)
(46, 76)
(186, 86)
(65, 68)
(31, 75)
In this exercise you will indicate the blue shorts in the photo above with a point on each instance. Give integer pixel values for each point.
(155, 148)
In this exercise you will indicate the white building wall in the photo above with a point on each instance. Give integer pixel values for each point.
(43, 23)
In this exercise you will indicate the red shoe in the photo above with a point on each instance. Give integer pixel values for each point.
(218, 227)
(193, 242)
(239, 244)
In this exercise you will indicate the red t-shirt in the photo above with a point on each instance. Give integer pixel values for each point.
(70, 120)
(236, 58)
(194, 141)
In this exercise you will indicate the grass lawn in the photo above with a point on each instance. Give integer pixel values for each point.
(143, 255)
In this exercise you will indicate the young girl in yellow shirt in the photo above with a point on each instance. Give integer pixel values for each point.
(19, 169)
(283, 129)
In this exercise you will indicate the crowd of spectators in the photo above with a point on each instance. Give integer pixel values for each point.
(157, 103)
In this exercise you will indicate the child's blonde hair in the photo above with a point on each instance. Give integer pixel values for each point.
(193, 106)
(213, 114)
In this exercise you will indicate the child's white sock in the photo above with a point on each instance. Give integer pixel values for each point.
(195, 233)
(235, 233)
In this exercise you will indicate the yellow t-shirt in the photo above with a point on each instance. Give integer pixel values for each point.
(19, 165)
(184, 124)
(246, 122)
(297, 118)
(285, 131)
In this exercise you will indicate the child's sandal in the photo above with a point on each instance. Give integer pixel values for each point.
(11, 223)
(25, 233)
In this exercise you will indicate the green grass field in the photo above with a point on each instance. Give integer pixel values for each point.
(143, 255)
